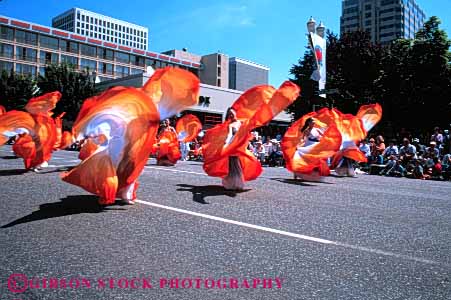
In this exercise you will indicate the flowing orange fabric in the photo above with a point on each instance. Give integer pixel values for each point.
(254, 108)
(39, 126)
(59, 130)
(305, 159)
(2, 110)
(129, 119)
(354, 129)
(168, 147)
(188, 127)
(66, 140)
(87, 149)
(13, 123)
(43, 104)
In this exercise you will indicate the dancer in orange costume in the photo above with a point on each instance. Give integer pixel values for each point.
(336, 136)
(63, 139)
(36, 130)
(168, 146)
(307, 145)
(225, 146)
(354, 129)
(128, 118)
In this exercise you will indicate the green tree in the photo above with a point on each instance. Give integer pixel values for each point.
(15, 90)
(74, 86)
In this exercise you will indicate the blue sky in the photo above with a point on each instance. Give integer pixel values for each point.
(269, 32)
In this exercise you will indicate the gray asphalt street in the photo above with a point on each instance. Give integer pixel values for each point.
(346, 238)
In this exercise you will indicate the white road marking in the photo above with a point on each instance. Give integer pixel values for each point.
(290, 234)
(177, 171)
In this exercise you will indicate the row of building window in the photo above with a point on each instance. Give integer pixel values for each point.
(25, 37)
(111, 25)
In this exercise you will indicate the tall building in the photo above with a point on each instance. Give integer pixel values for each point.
(385, 20)
(244, 74)
(97, 26)
(27, 48)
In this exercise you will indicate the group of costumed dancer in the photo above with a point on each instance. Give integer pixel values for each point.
(120, 128)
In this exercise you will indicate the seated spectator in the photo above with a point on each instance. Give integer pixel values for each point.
(418, 146)
(418, 172)
(407, 151)
(392, 149)
(378, 149)
(437, 136)
(390, 164)
(432, 151)
(436, 169)
(398, 170)
(365, 148)
(268, 148)
(276, 156)
(260, 151)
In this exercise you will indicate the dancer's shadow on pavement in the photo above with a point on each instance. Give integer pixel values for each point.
(201, 192)
(11, 172)
(71, 205)
(9, 157)
(299, 181)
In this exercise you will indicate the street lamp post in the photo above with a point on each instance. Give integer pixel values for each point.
(317, 44)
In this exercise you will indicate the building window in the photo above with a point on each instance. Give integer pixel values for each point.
(219, 82)
(138, 60)
(48, 42)
(122, 57)
(83, 18)
(136, 71)
(69, 46)
(48, 57)
(27, 54)
(122, 71)
(6, 33)
(88, 50)
(26, 37)
(88, 65)
(26, 69)
(106, 53)
(70, 60)
(6, 50)
(105, 68)
(6, 66)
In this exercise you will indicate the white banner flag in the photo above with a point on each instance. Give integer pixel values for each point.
(319, 51)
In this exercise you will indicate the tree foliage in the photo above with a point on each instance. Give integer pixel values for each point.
(411, 79)
(74, 86)
(15, 90)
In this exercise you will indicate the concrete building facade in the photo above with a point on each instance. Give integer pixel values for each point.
(27, 48)
(385, 20)
(97, 26)
(244, 74)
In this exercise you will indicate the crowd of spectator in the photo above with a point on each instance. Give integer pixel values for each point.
(428, 158)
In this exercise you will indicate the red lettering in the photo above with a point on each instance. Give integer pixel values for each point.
(245, 284)
(163, 282)
(212, 283)
(111, 283)
(267, 283)
(174, 283)
(33, 283)
(123, 283)
(190, 282)
(147, 283)
(63, 283)
(256, 282)
(198, 280)
(77, 283)
(233, 283)
(279, 282)
(53, 283)
(101, 284)
(86, 283)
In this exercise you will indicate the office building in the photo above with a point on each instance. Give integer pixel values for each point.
(104, 28)
(27, 48)
(244, 74)
(385, 20)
